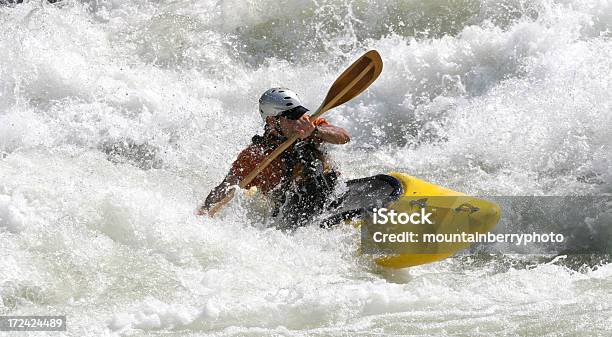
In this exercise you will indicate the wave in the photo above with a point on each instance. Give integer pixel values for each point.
(117, 117)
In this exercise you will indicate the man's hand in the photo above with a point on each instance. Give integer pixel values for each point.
(302, 127)
(202, 210)
(219, 196)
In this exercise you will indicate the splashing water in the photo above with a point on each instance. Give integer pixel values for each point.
(117, 118)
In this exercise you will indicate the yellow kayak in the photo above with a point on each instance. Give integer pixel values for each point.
(455, 211)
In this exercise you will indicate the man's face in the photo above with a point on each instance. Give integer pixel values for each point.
(285, 123)
(301, 127)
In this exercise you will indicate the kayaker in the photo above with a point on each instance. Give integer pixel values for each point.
(301, 178)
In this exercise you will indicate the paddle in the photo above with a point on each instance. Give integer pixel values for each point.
(353, 81)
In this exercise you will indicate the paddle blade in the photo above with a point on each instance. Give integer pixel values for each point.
(354, 80)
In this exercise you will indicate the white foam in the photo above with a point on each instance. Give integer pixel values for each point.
(514, 99)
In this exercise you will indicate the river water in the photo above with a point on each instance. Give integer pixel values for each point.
(118, 117)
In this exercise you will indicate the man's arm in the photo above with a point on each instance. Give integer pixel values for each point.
(331, 134)
(304, 127)
(218, 194)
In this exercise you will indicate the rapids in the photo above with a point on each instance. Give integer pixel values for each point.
(118, 117)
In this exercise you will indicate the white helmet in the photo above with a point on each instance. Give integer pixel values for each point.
(275, 101)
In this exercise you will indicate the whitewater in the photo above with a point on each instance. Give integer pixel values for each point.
(118, 117)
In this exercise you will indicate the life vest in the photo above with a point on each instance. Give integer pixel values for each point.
(304, 163)
(300, 164)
